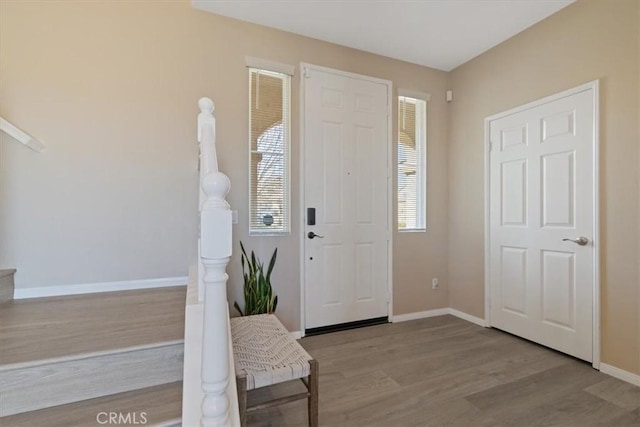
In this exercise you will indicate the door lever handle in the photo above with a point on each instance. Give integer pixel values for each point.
(579, 241)
(311, 235)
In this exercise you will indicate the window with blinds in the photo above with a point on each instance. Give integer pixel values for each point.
(269, 152)
(412, 164)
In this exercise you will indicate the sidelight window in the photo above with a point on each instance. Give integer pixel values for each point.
(269, 135)
(412, 164)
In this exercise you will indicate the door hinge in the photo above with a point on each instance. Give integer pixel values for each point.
(490, 145)
(305, 72)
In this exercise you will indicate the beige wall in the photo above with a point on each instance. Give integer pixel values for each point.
(638, 215)
(111, 88)
(586, 41)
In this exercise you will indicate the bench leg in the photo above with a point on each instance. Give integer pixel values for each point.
(312, 401)
(241, 383)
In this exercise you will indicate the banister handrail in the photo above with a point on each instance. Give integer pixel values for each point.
(21, 136)
(214, 254)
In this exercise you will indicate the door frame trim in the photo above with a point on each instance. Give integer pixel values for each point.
(389, 84)
(594, 86)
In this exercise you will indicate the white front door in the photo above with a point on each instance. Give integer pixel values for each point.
(346, 167)
(541, 194)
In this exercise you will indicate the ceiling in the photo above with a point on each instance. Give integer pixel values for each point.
(440, 34)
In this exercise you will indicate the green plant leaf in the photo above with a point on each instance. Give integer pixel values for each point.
(237, 307)
(243, 251)
(258, 292)
(254, 262)
(272, 264)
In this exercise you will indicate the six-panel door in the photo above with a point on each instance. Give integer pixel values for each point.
(346, 169)
(542, 186)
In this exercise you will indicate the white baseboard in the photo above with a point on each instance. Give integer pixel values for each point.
(438, 312)
(469, 318)
(90, 288)
(419, 315)
(620, 374)
(296, 335)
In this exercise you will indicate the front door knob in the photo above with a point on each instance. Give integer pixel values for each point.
(311, 235)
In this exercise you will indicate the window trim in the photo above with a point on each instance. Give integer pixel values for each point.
(272, 67)
(422, 197)
(267, 65)
(423, 96)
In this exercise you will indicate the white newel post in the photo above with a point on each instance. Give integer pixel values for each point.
(215, 252)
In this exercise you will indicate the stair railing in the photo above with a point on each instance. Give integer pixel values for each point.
(215, 246)
(21, 136)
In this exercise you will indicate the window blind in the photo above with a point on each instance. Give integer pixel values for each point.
(269, 117)
(412, 126)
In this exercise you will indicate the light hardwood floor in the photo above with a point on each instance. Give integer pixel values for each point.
(42, 328)
(444, 371)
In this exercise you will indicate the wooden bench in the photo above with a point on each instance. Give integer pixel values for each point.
(265, 354)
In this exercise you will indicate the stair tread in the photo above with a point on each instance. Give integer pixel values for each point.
(45, 328)
(7, 271)
(160, 404)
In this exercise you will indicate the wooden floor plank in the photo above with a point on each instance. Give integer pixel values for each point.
(579, 409)
(537, 389)
(621, 394)
(443, 371)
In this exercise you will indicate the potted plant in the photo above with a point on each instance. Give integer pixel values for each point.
(258, 293)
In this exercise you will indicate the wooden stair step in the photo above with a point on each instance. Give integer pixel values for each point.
(44, 328)
(6, 284)
(161, 406)
(61, 350)
(43, 384)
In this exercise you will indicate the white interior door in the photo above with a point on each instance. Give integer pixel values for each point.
(346, 168)
(541, 194)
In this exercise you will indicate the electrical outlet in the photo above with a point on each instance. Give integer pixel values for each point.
(434, 283)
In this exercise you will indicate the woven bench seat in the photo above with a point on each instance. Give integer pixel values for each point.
(265, 354)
